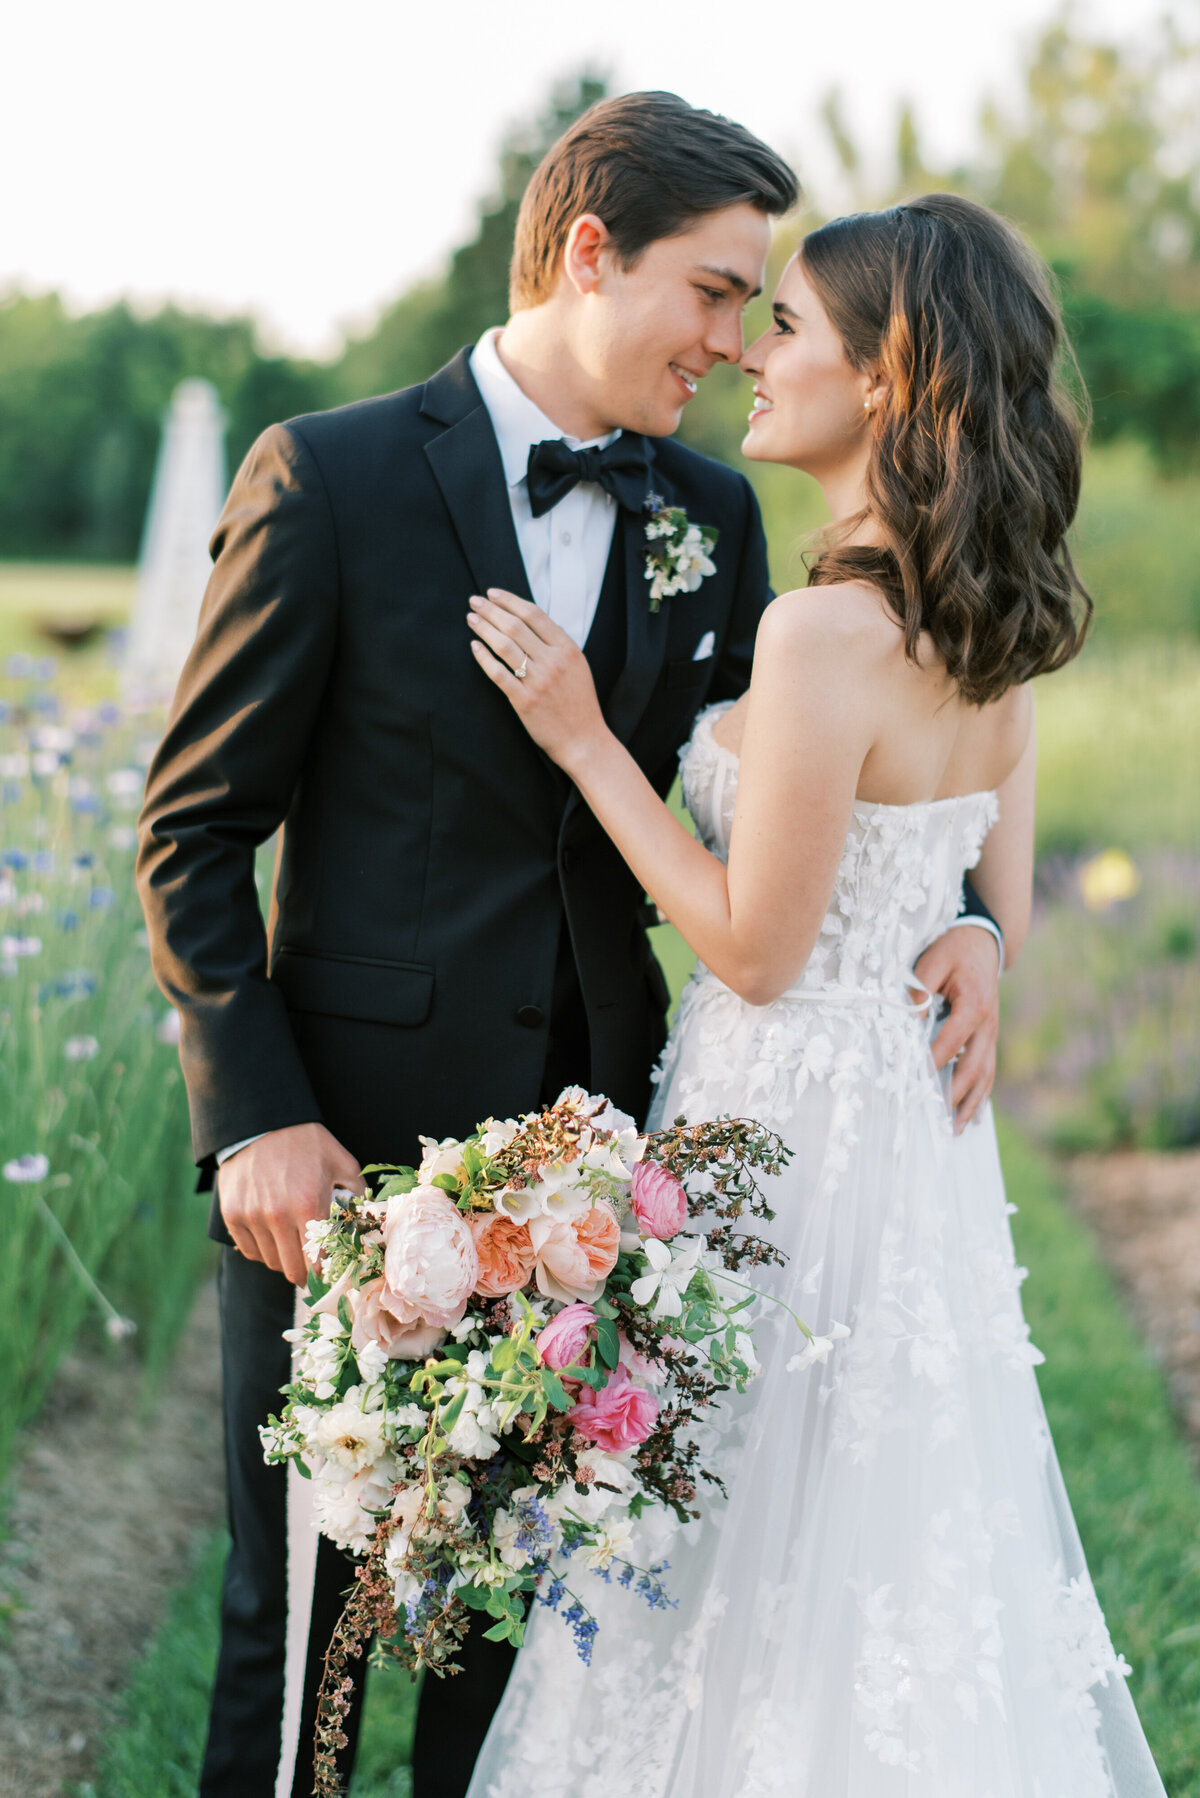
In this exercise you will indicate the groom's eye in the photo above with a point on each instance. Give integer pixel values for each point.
(713, 293)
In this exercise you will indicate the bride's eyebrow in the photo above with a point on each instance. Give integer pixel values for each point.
(778, 306)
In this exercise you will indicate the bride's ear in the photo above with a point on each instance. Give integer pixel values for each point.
(877, 391)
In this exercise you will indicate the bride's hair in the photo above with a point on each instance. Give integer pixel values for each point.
(975, 465)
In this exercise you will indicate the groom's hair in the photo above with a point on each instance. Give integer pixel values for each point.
(648, 165)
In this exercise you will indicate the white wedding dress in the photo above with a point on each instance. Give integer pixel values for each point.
(893, 1601)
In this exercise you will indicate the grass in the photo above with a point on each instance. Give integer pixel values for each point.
(152, 1748)
(1119, 749)
(1131, 1479)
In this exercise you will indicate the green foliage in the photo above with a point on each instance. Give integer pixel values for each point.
(81, 409)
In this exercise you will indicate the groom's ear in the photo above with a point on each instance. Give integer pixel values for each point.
(587, 253)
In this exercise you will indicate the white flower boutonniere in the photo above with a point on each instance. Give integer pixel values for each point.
(679, 556)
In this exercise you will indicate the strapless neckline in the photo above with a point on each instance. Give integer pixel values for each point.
(706, 722)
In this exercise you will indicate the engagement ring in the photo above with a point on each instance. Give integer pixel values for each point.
(523, 670)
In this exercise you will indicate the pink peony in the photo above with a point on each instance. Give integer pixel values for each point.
(374, 1322)
(429, 1263)
(659, 1200)
(564, 1340)
(620, 1416)
(505, 1253)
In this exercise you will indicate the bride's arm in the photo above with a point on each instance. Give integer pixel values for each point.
(754, 924)
(1004, 876)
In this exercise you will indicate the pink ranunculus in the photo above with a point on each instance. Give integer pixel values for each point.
(564, 1340)
(505, 1253)
(429, 1262)
(401, 1339)
(563, 1269)
(619, 1416)
(659, 1200)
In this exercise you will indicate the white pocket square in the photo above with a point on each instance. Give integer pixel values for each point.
(705, 647)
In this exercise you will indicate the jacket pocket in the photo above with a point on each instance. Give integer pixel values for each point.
(350, 986)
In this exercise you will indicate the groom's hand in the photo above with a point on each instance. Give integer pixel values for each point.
(964, 968)
(273, 1187)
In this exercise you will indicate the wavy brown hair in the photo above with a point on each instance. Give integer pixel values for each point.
(975, 463)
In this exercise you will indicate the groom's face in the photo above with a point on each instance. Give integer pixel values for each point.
(647, 335)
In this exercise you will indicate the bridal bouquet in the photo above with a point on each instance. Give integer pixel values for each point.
(506, 1353)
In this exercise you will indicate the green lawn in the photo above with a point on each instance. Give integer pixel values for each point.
(1132, 1483)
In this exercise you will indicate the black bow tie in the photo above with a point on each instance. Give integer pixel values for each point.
(554, 468)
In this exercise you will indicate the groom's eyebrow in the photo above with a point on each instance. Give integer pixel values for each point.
(736, 281)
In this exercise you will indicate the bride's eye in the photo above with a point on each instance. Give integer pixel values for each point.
(782, 326)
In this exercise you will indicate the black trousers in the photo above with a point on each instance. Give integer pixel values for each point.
(242, 1752)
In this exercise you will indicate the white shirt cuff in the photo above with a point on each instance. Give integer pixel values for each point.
(224, 1154)
(988, 924)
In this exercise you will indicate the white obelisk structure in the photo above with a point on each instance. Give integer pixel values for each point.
(174, 565)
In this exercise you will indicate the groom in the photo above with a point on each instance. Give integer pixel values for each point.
(450, 934)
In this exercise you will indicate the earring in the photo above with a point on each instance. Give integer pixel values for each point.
(867, 405)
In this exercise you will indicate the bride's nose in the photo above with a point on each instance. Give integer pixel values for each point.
(752, 358)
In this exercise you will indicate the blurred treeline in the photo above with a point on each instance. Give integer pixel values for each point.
(1098, 159)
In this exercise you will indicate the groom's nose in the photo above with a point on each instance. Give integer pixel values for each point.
(723, 338)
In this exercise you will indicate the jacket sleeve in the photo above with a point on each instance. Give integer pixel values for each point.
(731, 677)
(221, 783)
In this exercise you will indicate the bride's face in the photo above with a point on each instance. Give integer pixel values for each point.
(809, 402)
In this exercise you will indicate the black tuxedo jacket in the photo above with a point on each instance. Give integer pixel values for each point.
(429, 852)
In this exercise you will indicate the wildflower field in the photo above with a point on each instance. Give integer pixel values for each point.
(95, 1174)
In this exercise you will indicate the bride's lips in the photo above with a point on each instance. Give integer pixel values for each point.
(686, 379)
(761, 405)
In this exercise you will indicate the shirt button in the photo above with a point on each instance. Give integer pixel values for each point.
(531, 1016)
(566, 536)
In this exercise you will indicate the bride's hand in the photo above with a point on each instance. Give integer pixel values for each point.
(543, 673)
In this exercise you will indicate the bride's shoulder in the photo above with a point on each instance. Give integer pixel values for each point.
(842, 622)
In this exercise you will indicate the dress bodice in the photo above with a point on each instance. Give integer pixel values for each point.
(899, 883)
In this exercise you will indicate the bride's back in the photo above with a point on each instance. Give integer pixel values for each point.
(927, 741)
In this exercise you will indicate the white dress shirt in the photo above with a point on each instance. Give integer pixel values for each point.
(565, 551)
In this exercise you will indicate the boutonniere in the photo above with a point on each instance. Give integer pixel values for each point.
(679, 557)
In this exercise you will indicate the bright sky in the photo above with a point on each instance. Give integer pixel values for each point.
(307, 161)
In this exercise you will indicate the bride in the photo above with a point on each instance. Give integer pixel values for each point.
(892, 1600)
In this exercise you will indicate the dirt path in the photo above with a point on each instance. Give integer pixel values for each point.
(107, 1503)
(1145, 1211)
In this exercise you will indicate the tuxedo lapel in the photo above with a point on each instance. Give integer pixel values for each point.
(645, 631)
(465, 459)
